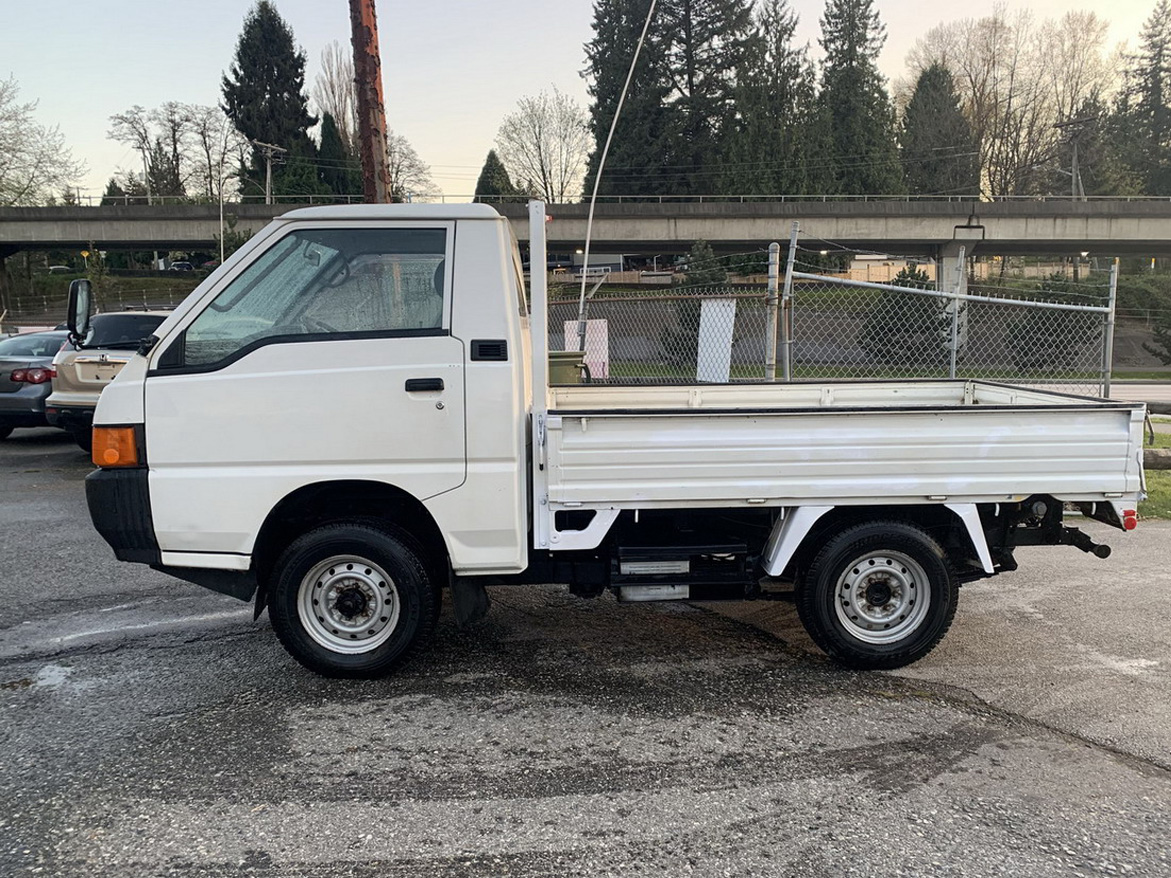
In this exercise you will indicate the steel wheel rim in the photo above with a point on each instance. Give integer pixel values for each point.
(348, 604)
(882, 596)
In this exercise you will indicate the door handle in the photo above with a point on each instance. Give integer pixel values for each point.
(416, 385)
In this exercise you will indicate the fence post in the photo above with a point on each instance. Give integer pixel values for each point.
(960, 284)
(770, 323)
(1108, 331)
(787, 307)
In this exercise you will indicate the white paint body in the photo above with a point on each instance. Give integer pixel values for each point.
(226, 447)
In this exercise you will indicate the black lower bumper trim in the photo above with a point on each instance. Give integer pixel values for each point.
(119, 504)
(73, 418)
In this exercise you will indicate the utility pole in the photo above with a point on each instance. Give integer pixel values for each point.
(371, 114)
(1073, 129)
(269, 151)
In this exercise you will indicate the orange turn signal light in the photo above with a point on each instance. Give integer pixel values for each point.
(114, 447)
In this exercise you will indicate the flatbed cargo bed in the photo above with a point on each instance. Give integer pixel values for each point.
(841, 443)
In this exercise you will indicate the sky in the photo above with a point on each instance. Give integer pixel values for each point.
(452, 69)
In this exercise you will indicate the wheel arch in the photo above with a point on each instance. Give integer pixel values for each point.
(313, 505)
(956, 526)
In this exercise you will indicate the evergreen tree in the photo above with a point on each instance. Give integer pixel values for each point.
(854, 107)
(1144, 111)
(705, 43)
(264, 96)
(906, 329)
(1044, 342)
(767, 150)
(164, 172)
(643, 158)
(1102, 149)
(703, 268)
(340, 171)
(114, 194)
(680, 108)
(939, 152)
(494, 184)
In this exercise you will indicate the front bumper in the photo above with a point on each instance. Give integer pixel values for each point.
(119, 504)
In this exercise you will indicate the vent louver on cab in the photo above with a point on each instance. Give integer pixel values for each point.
(495, 350)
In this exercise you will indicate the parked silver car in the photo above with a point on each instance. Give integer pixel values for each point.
(80, 373)
(25, 378)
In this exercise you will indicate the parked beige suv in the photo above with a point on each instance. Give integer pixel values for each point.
(80, 373)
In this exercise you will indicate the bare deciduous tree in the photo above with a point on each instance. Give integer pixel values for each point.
(185, 143)
(34, 161)
(1078, 67)
(334, 93)
(216, 144)
(173, 121)
(133, 128)
(1017, 80)
(547, 141)
(410, 176)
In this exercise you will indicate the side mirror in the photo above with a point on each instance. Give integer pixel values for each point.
(80, 302)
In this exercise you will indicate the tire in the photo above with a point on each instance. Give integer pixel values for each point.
(84, 439)
(352, 600)
(878, 595)
(5, 432)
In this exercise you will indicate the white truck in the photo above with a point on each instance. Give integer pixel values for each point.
(352, 414)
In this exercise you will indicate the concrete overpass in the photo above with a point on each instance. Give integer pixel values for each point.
(1103, 227)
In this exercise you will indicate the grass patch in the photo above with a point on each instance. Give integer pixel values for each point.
(1142, 375)
(1162, 440)
(1158, 502)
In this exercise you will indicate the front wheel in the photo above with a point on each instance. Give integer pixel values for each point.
(350, 600)
(878, 595)
(5, 432)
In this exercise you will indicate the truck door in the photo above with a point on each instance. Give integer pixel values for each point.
(329, 357)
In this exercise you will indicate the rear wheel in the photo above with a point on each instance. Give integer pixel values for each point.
(878, 595)
(5, 432)
(83, 438)
(351, 600)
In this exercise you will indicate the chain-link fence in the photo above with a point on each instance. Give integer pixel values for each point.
(834, 328)
(705, 334)
(43, 309)
(846, 330)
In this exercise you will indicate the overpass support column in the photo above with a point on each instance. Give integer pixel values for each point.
(948, 267)
(7, 289)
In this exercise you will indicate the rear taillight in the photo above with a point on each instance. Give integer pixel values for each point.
(35, 375)
(1129, 519)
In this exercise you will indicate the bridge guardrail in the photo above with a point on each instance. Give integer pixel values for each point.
(745, 198)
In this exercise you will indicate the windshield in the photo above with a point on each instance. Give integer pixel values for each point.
(39, 344)
(121, 331)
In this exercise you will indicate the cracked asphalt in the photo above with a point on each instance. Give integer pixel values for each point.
(148, 728)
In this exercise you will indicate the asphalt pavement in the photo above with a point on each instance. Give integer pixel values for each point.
(149, 728)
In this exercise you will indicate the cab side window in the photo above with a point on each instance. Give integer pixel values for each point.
(314, 285)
